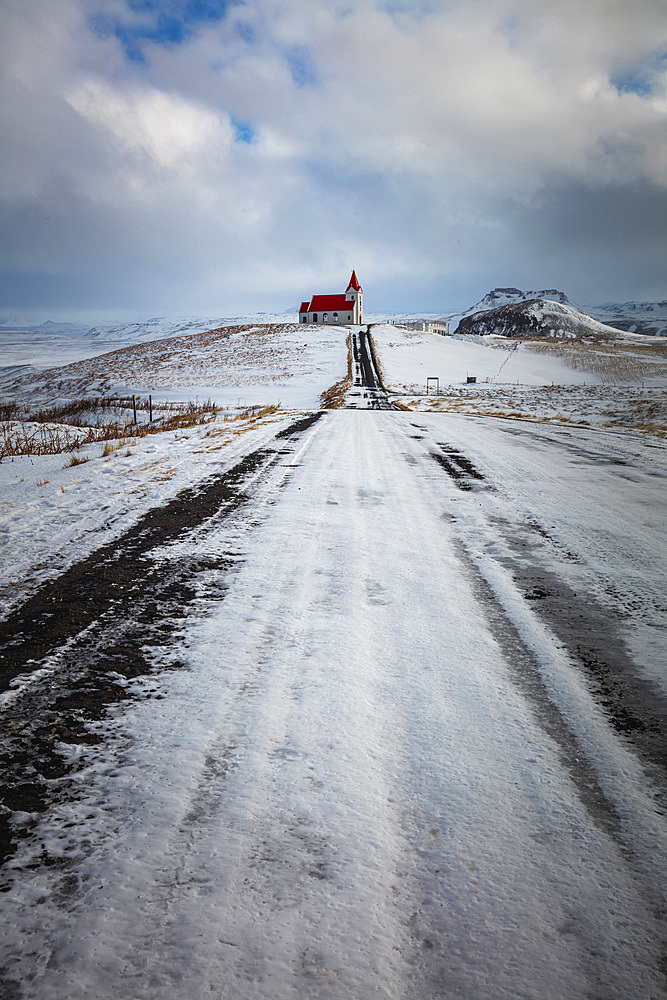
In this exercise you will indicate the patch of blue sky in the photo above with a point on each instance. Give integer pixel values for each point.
(301, 65)
(641, 80)
(246, 33)
(165, 22)
(243, 131)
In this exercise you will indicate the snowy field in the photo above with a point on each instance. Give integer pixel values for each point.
(619, 384)
(402, 736)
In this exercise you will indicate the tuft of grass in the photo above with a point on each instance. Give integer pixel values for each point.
(248, 416)
(76, 459)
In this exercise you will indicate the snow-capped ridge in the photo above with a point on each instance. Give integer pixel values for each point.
(646, 318)
(538, 317)
(507, 296)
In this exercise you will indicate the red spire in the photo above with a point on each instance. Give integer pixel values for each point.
(354, 283)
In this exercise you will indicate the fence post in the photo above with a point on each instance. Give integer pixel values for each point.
(150, 408)
(134, 407)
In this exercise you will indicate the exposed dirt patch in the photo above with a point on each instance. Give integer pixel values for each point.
(592, 635)
(458, 467)
(70, 650)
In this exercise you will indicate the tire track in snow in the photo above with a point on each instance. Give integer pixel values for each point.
(68, 653)
(586, 631)
(367, 376)
(271, 939)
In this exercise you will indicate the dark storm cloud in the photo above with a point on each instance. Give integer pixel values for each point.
(606, 242)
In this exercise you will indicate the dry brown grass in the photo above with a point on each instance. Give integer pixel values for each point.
(628, 407)
(17, 438)
(240, 422)
(76, 459)
(21, 435)
(613, 361)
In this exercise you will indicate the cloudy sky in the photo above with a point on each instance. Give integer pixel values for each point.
(203, 157)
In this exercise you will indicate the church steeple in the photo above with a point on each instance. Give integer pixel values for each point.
(353, 291)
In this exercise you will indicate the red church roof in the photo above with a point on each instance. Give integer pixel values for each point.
(330, 303)
(354, 283)
(304, 307)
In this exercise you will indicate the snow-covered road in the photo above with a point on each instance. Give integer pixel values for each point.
(384, 755)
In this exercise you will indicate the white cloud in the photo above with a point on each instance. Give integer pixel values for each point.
(167, 128)
(417, 138)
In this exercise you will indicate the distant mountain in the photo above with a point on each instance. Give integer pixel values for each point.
(538, 317)
(156, 328)
(160, 327)
(647, 318)
(151, 329)
(507, 296)
(50, 327)
(68, 329)
(499, 297)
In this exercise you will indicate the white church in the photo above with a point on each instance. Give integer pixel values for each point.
(332, 309)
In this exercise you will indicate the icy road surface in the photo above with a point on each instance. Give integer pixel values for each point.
(406, 742)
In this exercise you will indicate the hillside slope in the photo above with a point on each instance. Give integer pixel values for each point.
(537, 317)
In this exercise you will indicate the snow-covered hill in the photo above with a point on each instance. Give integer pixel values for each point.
(52, 343)
(233, 364)
(498, 297)
(538, 317)
(647, 318)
